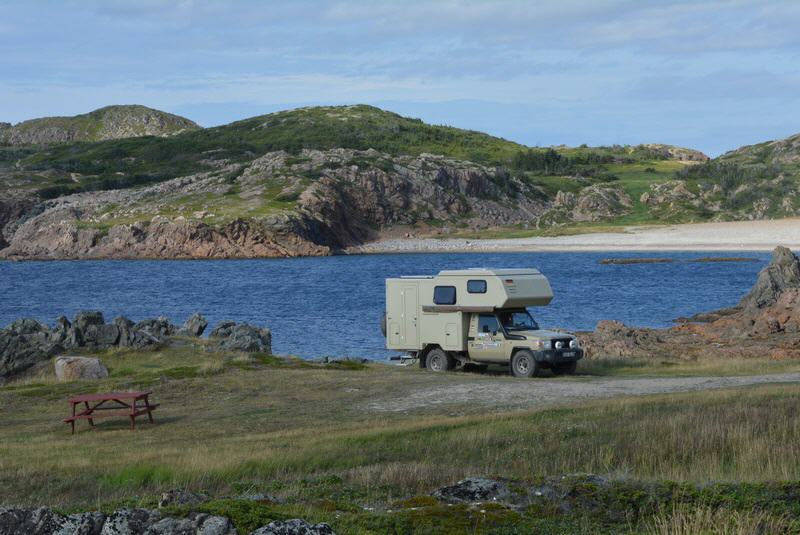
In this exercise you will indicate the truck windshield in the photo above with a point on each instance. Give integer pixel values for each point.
(518, 320)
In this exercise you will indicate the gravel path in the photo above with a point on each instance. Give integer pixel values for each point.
(727, 236)
(519, 393)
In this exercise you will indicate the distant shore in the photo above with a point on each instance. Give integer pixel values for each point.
(724, 236)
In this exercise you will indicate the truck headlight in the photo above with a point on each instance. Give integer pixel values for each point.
(573, 344)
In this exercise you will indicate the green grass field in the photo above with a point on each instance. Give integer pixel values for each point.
(311, 433)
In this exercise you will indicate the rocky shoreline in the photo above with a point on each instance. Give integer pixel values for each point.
(27, 344)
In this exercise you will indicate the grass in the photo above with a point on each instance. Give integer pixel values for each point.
(708, 366)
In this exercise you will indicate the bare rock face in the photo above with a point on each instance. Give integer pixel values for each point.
(75, 368)
(782, 273)
(593, 203)
(612, 339)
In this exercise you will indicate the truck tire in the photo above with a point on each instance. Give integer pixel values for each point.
(565, 368)
(383, 325)
(523, 364)
(439, 361)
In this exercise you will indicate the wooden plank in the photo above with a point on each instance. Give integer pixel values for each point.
(108, 396)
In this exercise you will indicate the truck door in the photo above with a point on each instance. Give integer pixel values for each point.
(486, 340)
(409, 319)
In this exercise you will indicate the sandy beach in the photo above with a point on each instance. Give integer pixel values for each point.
(725, 236)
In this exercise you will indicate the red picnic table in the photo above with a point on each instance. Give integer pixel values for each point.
(130, 404)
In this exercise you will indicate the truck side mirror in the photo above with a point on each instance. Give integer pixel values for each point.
(494, 333)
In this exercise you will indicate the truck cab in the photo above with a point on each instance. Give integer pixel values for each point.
(476, 316)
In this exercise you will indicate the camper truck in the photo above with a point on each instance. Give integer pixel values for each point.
(478, 317)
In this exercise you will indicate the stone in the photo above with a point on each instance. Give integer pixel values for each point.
(782, 273)
(43, 521)
(106, 335)
(159, 327)
(18, 352)
(180, 497)
(86, 318)
(75, 368)
(194, 326)
(194, 524)
(243, 337)
(223, 329)
(295, 526)
(130, 521)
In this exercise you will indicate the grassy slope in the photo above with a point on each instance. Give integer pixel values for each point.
(305, 432)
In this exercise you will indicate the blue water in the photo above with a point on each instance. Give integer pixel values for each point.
(332, 306)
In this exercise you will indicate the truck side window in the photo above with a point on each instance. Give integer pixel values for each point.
(476, 287)
(444, 295)
(487, 323)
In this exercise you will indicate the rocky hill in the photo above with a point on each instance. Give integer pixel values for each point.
(111, 122)
(753, 182)
(308, 181)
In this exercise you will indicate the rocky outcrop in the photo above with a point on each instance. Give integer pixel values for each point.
(45, 521)
(26, 342)
(593, 203)
(765, 323)
(75, 368)
(242, 337)
(194, 326)
(112, 122)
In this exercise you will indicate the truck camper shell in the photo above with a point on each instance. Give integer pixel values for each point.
(426, 310)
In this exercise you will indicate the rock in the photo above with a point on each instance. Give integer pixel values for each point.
(106, 335)
(612, 339)
(194, 524)
(27, 326)
(84, 319)
(473, 489)
(194, 326)
(782, 273)
(180, 497)
(74, 368)
(130, 522)
(159, 327)
(261, 497)
(43, 521)
(294, 526)
(243, 337)
(18, 352)
(223, 329)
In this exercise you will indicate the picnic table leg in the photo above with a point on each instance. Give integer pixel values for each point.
(149, 410)
(72, 422)
(89, 411)
(133, 415)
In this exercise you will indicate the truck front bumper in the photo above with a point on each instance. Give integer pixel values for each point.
(556, 356)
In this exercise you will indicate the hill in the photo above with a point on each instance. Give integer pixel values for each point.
(111, 122)
(309, 181)
(752, 182)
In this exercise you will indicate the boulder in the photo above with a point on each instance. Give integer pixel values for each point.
(18, 352)
(130, 521)
(295, 526)
(180, 497)
(88, 317)
(223, 329)
(159, 327)
(74, 368)
(194, 326)
(243, 337)
(43, 521)
(194, 524)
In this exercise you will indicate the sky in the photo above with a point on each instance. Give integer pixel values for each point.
(711, 75)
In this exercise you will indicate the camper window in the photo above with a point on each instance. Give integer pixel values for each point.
(476, 287)
(444, 295)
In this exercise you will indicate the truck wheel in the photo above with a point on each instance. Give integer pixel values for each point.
(565, 368)
(523, 364)
(439, 361)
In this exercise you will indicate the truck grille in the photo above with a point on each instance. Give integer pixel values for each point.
(564, 341)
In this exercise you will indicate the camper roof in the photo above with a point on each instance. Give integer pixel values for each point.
(488, 272)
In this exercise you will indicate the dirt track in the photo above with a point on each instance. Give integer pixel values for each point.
(517, 393)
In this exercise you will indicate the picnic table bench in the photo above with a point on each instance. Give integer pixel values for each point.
(102, 405)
